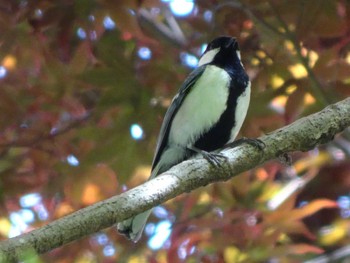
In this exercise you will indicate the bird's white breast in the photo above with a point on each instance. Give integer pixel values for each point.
(241, 111)
(201, 108)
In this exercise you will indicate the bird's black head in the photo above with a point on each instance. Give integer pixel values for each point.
(224, 42)
(221, 51)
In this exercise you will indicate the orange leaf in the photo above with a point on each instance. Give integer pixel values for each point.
(296, 227)
(300, 249)
(312, 208)
(278, 217)
(96, 184)
(91, 194)
(297, 249)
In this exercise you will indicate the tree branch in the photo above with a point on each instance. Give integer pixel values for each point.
(172, 32)
(302, 135)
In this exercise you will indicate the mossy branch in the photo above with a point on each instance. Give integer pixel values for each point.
(302, 135)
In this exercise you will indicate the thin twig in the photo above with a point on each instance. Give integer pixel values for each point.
(172, 33)
(316, 86)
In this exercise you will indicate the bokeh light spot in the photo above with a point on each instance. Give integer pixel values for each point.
(162, 233)
(144, 53)
(208, 15)
(181, 7)
(136, 131)
(160, 212)
(344, 202)
(72, 160)
(189, 60)
(38, 13)
(43, 214)
(9, 62)
(102, 239)
(81, 33)
(203, 48)
(150, 228)
(14, 231)
(27, 215)
(93, 35)
(109, 250)
(20, 220)
(108, 23)
(30, 200)
(3, 72)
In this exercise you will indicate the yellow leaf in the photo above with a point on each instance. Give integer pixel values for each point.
(309, 99)
(137, 259)
(298, 71)
(276, 81)
(291, 89)
(279, 103)
(233, 254)
(313, 161)
(162, 257)
(204, 198)
(347, 58)
(331, 235)
(5, 226)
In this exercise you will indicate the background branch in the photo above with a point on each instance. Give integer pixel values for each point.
(302, 135)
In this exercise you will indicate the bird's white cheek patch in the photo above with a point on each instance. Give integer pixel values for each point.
(239, 57)
(201, 108)
(208, 57)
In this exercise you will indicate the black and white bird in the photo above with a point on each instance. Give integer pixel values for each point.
(205, 115)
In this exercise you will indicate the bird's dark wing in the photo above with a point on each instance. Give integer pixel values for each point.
(172, 110)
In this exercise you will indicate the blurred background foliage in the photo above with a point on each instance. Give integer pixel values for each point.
(83, 89)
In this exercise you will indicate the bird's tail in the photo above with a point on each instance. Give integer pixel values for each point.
(133, 227)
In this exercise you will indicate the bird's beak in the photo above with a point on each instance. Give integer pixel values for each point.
(229, 43)
(232, 44)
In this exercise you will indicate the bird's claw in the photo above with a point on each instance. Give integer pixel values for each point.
(257, 143)
(213, 158)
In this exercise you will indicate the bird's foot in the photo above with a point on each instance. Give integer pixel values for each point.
(259, 144)
(214, 159)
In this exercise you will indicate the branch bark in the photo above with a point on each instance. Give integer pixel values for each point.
(302, 135)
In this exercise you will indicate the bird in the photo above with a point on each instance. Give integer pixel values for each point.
(204, 116)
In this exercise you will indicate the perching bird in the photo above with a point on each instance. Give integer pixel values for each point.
(205, 115)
